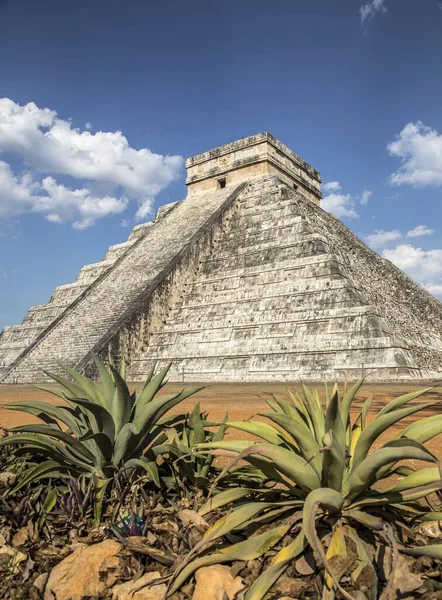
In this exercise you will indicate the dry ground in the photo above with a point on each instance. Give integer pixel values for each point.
(241, 401)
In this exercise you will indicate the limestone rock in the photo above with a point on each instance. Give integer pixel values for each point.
(87, 572)
(12, 557)
(187, 516)
(431, 529)
(139, 589)
(7, 479)
(21, 537)
(41, 581)
(216, 582)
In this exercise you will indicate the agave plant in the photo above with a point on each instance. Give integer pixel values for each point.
(100, 430)
(193, 470)
(323, 474)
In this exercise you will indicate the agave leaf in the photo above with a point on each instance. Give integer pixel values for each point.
(334, 457)
(100, 488)
(289, 464)
(336, 548)
(432, 550)
(148, 466)
(364, 567)
(196, 424)
(377, 427)
(302, 436)
(44, 409)
(279, 564)
(51, 389)
(262, 430)
(331, 500)
(37, 472)
(417, 479)
(48, 504)
(103, 445)
(102, 419)
(401, 400)
(107, 384)
(233, 520)
(124, 444)
(91, 391)
(223, 498)
(365, 474)
(150, 389)
(121, 402)
(424, 429)
(365, 518)
(430, 516)
(72, 388)
(70, 441)
(348, 399)
(316, 413)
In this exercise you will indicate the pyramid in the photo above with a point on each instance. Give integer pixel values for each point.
(246, 279)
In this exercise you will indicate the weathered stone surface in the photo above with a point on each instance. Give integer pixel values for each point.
(12, 557)
(7, 479)
(40, 582)
(246, 279)
(140, 589)
(216, 583)
(87, 572)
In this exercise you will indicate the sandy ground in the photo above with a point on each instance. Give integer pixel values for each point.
(241, 401)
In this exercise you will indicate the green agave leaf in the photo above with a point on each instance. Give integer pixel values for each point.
(42, 409)
(424, 429)
(262, 430)
(102, 419)
(266, 580)
(430, 516)
(121, 402)
(148, 466)
(233, 520)
(91, 389)
(70, 441)
(289, 464)
(401, 400)
(48, 504)
(125, 443)
(150, 389)
(39, 472)
(100, 487)
(302, 436)
(72, 389)
(107, 384)
(348, 399)
(365, 518)
(417, 479)
(334, 457)
(103, 446)
(223, 498)
(301, 409)
(364, 475)
(316, 413)
(377, 427)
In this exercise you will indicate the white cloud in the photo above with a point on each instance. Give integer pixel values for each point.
(340, 205)
(331, 186)
(425, 266)
(101, 160)
(380, 238)
(420, 230)
(420, 149)
(365, 196)
(368, 10)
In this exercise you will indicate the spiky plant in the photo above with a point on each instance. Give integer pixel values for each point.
(321, 476)
(193, 470)
(101, 429)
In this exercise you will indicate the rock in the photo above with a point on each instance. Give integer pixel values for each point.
(21, 537)
(431, 529)
(41, 581)
(7, 479)
(12, 557)
(187, 516)
(89, 571)
(216, 583)
(138, 590)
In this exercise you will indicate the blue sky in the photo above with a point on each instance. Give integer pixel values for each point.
(104, 98)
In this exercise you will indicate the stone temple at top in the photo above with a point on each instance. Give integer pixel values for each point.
(246, 279)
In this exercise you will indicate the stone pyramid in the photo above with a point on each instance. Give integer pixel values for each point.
(246, 279)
